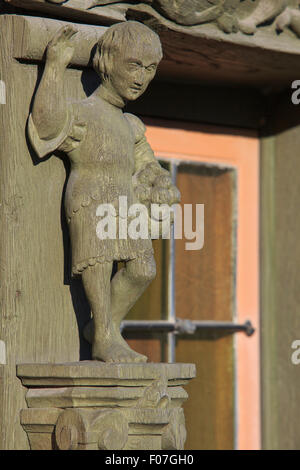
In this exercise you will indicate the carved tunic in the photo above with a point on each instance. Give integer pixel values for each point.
(106, 147)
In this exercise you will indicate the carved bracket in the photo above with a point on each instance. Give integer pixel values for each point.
(93, 410)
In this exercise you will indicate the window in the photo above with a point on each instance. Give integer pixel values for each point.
(213, 288)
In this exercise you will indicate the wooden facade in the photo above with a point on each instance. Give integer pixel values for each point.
(217, 80)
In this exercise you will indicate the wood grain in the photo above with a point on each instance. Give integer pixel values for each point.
(280, 251)
(32, 34)
(204, 53)
(74, 10)
(37, 298)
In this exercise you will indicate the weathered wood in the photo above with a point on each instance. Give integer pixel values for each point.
(280, 250)
(200, 103)
(259, 61)
(267, 61)
(31, 36)
(144, 414)
(37, 297)
(91, 373)
(74, 10)
(89, 132)
(230, 16)
(100, 397)
(36, 420)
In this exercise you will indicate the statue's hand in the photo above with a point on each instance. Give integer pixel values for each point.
(169, 196)
(154, 184)
(60, 49)
(164, 191)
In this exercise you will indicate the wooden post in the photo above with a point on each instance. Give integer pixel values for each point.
(39, 303)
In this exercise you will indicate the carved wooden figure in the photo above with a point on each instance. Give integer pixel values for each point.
(110, 157)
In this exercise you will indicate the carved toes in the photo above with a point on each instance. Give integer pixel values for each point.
(116, 352)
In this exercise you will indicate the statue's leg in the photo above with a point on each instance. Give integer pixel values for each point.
(290, 17)
(266, 10)
(128, 284)
(107, 343)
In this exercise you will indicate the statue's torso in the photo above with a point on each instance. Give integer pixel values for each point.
(102, 164)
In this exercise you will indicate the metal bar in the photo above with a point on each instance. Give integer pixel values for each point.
(171, 342)
(148, 325)
(186, 326)
(171, 284)
(246, 327)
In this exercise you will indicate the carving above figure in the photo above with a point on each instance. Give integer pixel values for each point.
(289, 18)
(184, 12)
(230, 16)
(265, 10)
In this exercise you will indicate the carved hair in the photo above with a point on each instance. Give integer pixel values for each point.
(117, 38)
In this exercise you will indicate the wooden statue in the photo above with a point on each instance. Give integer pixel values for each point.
(110, 157)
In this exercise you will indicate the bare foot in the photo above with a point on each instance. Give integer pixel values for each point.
(88, 334)
(113, 348)
(114, 352)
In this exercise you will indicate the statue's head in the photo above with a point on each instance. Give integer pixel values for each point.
(127, 57)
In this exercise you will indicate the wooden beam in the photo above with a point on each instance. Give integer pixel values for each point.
(32, 34)
(76, 10)
(196, 53)
(235, 107)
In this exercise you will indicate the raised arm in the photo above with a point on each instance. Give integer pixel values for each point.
(49, 112)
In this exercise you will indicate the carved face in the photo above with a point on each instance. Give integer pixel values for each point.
(133, 69)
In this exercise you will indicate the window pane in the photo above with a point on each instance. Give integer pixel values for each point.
(153, 304)
(204, 290)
